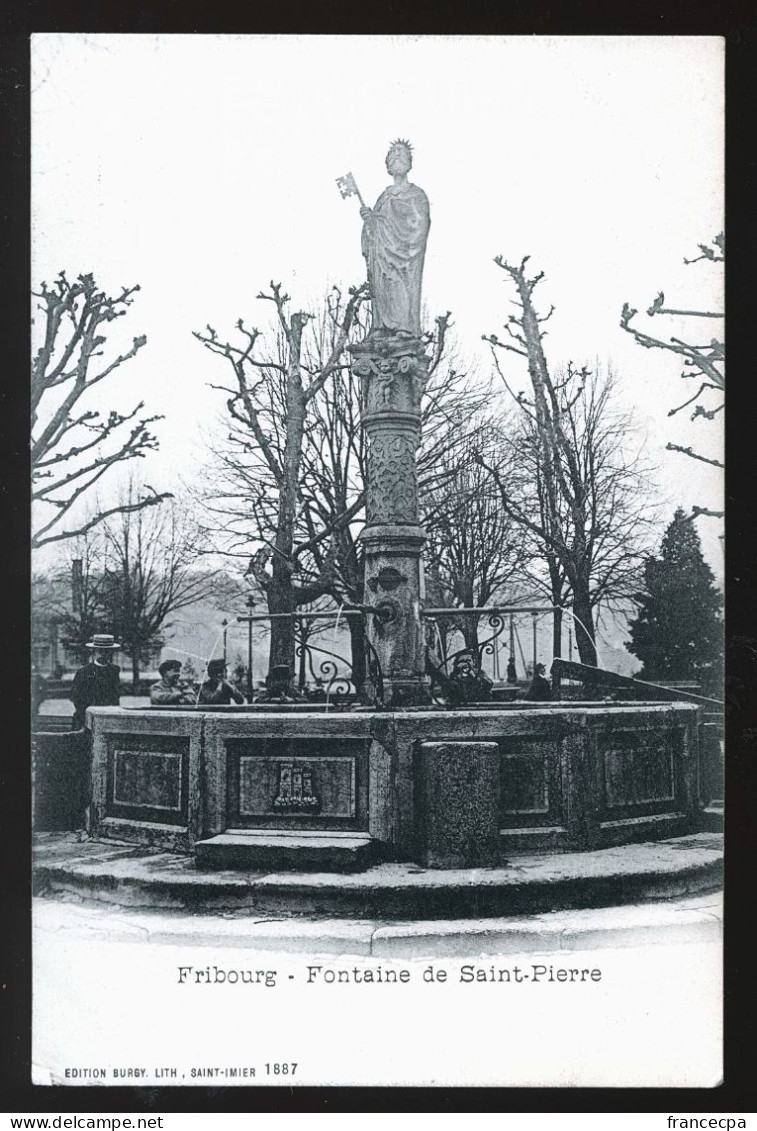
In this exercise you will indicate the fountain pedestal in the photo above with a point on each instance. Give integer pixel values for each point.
(393, 370)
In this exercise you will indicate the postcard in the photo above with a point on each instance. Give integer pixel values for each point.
(377, 626)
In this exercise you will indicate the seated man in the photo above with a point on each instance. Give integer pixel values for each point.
(169, 690)
(216, 689)
(279, 687)
(96, 684)
(467, 683)
(540, 690)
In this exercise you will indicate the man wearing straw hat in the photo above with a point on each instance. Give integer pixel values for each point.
(97, 684)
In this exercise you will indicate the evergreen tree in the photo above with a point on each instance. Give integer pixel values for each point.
(678, 633)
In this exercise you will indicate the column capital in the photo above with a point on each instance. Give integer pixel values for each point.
(394, 371)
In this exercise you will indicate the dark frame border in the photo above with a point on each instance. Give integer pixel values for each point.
(738, 28)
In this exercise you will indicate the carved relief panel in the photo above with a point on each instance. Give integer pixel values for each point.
(392, 478)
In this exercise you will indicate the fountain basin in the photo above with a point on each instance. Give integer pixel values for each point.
(310, 788)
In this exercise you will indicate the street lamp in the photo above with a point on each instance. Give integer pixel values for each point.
(225, 626)
(511, 676)
(250, 603)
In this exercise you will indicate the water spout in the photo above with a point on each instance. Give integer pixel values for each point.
(206, 662)
(584, 629)
(333, 649)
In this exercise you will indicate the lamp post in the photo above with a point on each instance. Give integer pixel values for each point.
(54, 625)
(76, 586)
(225, 626)
(250, 603)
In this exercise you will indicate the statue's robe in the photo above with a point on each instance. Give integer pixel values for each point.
(394, 245)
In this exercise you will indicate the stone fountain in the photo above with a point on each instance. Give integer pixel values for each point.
(308, 788)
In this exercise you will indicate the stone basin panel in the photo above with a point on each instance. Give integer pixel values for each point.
(548, 777)
(146, 778)
(297, 783)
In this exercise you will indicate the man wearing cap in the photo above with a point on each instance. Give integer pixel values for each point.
(97, 684)
(216, 689)
(467, 683)
(169, 691)
(278, 687)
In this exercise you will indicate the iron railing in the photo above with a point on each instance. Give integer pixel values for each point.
(334, 686)
(332, 673)
(498, 618)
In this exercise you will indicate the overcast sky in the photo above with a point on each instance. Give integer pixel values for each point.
(202, 167)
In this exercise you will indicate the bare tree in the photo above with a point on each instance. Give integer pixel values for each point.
(475, 548)
(332, 485)
(543, 567)
(583, 498)
(704, 364)
(73, 446)
(150, 571)
(327, 478)
(268, 403)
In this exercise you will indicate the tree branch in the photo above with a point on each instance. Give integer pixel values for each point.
(693, 455)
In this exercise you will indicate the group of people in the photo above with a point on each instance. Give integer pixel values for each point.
(216, 690)
(468, 684)
(97, 684)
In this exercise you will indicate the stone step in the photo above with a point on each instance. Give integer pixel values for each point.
(65, 866)
(713, 817)
(314, 850)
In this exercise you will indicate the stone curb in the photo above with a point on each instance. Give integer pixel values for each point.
(607, 927)
(693, 920)
(610, 877)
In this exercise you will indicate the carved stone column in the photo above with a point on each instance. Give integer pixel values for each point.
(393, 369)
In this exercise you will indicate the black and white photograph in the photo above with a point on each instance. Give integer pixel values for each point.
(377, 570)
